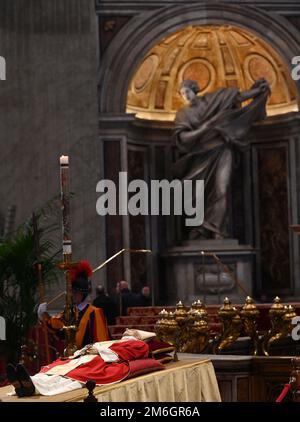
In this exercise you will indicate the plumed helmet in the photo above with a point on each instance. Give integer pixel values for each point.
(80, 277)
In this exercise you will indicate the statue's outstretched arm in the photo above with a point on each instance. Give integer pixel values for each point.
(246, 95)
(258, 87)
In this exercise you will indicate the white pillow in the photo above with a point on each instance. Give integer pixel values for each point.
(138, 334)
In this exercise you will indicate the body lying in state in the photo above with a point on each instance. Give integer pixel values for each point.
(105, 363)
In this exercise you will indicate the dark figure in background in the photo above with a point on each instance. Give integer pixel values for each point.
(207, 130)
(124, 298)
(145, 297)
(108, 306)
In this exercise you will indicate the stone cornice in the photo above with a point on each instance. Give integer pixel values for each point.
(133, 7)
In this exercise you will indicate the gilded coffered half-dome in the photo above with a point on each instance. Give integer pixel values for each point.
(215, 56)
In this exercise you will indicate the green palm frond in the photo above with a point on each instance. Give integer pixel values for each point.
(18, 275)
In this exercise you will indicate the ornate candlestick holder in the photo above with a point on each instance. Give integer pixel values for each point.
(69, 313)
(249, 315)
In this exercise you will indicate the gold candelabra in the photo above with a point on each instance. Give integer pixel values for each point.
(249, 315)
(188, 329)
(281, 325)
(231, 327)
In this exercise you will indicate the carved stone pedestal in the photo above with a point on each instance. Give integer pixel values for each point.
(225, 269)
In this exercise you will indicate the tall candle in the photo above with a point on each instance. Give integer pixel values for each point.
(65, 202)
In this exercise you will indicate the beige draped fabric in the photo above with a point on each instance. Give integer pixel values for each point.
(183, 381)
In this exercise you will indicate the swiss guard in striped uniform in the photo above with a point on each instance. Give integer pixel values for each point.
(91, 322)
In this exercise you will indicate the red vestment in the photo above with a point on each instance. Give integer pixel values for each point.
(106, 372)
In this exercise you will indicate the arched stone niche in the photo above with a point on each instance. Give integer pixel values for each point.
(135, 39)
(143, 148)
(216, 56)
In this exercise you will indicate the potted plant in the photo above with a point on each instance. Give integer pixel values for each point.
(19, 281)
